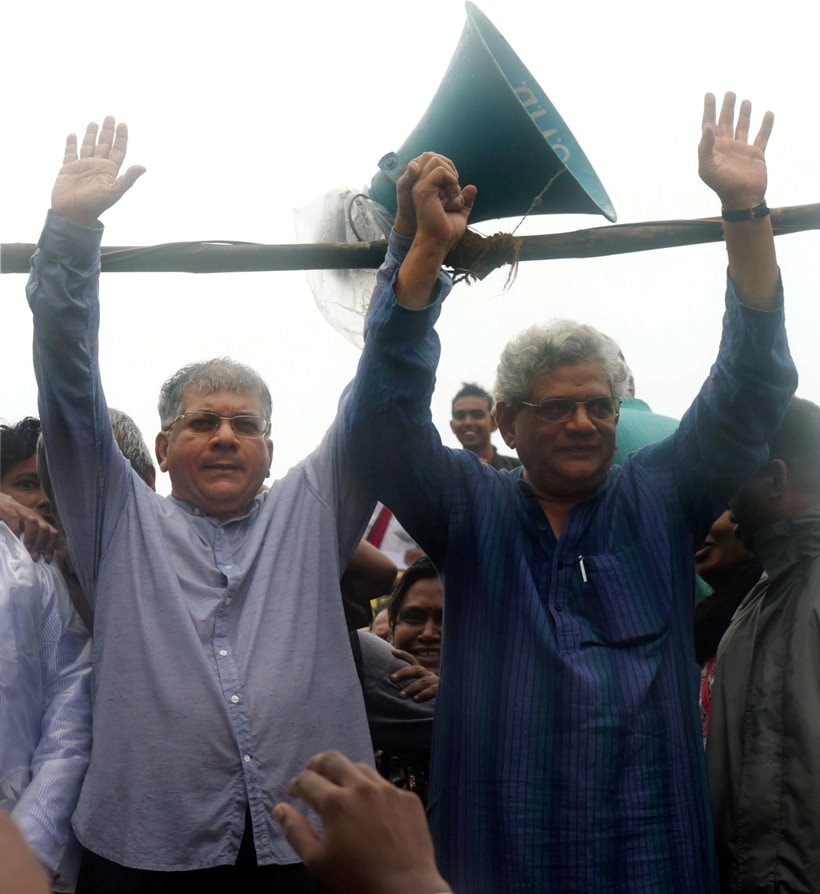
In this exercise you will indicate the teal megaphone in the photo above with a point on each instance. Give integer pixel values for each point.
(490, 116)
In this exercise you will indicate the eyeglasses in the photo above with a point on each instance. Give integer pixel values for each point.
(203, 422)
(562, 409)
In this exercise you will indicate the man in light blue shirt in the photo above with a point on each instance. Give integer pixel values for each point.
(221, 655)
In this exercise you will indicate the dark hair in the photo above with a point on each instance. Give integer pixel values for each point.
(797, 442)
(420, 570)
(470, 389)
(18, 442)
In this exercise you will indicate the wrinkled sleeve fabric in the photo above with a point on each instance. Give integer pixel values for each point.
(724, 434)
(60, 756)
(391, 425)
(331, 475)
(89, 474)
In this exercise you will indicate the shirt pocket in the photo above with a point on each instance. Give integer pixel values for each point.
(624, 602)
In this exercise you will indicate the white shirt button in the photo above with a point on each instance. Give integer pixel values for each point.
(223, 652)
(234, 698)
(247, 758)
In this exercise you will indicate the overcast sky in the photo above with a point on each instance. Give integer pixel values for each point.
(244, 111)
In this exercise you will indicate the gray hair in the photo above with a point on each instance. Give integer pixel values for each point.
(131, 443)
(132, 446)
(545, 348)
(219, 374)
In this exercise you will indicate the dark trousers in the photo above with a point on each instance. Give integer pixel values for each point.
(101, 876)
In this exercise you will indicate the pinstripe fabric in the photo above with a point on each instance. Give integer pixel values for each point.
(567, 753)
(45, 706)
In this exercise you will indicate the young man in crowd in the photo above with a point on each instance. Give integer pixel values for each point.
(473, 422)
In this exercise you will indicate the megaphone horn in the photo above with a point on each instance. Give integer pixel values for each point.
(490, 116)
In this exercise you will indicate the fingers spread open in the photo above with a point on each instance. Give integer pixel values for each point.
(727, 116)
(743, 119)
(128, 179)
(89, 141)
(707, 144)
(70, 153)
(120, 145)
(709, 110)
(762, 138)
(106, 139)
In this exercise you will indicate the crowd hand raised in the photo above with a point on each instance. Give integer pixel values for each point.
(89, 183)
(425, 682)
(734, 168)
(358, 808)
(431, 203)
(38, 536)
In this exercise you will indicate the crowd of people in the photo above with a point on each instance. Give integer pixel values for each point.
(189, 696)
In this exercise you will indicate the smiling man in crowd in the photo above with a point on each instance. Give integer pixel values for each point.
(567, 753)
(473, 422)
(221, 654)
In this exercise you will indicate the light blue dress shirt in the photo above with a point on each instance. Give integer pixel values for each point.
(221, 655)
(45, 706)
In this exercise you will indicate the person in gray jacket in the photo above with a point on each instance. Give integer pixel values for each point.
(762, 752)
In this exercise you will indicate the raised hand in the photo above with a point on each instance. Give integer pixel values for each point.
(734, 168)
(433, 209)
(89, 183)
(431, 203)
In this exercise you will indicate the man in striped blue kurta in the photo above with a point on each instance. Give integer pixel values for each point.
(567, 753)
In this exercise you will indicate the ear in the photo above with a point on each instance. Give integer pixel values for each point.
(505, 421)
(453, 426)
(269, 448)
(161, 450)
(493, 422)
(779, 477)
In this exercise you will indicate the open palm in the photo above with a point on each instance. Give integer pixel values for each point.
(89, 183)
(732, 166)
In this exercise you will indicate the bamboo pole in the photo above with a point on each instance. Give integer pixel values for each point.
(479, 257)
